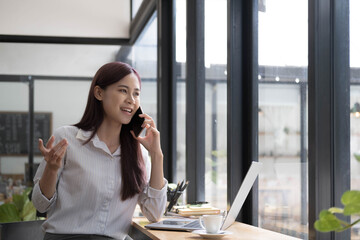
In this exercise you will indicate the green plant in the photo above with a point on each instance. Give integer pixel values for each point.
(357, 156)
(328, 221)
(20, 209)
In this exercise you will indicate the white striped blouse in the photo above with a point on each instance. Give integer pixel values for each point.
(87, 198)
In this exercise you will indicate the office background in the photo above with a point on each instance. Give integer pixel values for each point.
(228, 82)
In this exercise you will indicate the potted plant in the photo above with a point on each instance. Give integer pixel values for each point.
(328, 221)
(19, 209)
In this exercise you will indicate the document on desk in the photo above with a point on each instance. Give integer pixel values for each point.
(197, 211)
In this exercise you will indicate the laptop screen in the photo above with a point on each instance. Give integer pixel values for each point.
(243, 192)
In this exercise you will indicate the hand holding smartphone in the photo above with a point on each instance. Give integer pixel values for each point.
(136, 122)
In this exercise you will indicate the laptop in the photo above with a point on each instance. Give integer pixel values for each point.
(188, 224)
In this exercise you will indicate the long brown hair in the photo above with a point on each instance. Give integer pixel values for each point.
(132, 163)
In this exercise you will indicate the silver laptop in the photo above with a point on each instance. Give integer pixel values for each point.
(188, 224)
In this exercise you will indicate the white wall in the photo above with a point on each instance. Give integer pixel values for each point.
(66, 18)
(54, 59)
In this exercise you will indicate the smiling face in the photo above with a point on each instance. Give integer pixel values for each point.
(120, 100)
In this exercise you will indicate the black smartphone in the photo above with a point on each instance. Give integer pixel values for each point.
(136, 122)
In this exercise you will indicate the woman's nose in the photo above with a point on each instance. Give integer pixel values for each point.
(131, 99)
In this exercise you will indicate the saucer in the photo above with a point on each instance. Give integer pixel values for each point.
(218, 235)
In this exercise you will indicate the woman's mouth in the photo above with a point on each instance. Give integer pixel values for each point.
(127, 110)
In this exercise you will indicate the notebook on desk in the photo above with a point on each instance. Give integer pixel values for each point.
(187, 224)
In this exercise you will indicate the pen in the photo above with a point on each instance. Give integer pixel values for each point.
(181, 185)
(177, 186)
(172, 200)
(185, 186)
(180, 191)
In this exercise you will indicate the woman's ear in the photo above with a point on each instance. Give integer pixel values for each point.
(98, 93)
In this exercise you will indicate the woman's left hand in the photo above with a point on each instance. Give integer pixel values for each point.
(151, 141)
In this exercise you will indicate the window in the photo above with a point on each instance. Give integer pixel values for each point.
(282, 116)
(135, 5)
(62, 82)
(216, 103)
(180, 43)
(143, 57)
(58, 105)
(14, 99)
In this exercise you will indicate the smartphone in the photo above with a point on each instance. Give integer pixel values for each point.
(136, 122)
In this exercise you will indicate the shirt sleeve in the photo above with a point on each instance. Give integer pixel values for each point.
(152, 201)
(40, 201)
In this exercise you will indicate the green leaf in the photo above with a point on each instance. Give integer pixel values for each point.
(352, 208)
(29, 212)
(18, 200)
(324, 214)
(327, 222)
(350, 197)
(27, 191)
(9, 213)
(357, 156)
(25, 196)
(214, 176)
(219, 153)
(336, 210)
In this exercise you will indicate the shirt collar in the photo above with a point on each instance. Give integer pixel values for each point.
(85, 135)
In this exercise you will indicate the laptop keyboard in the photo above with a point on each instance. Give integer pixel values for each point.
(194, 224)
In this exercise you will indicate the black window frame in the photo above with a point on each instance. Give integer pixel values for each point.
(328, 88)
(329, 109)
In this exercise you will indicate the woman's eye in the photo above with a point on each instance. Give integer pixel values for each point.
(137, 94)
(122, 90)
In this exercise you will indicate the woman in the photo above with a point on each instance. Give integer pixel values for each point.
(95, 172)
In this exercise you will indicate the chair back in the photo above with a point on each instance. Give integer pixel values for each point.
(28, 230)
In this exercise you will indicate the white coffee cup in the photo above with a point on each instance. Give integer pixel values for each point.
(211, 223)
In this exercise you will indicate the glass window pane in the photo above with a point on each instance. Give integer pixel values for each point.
(76, 97)
(180, 42)
(58, 92)
(216, 103)
(354, 104)
(143, 57)
(283, 50)
(14, 99)
(135, 5)
(49, 98)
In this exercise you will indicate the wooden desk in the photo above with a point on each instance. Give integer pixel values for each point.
(240, 231)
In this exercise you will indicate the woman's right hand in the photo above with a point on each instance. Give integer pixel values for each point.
(53, 155)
